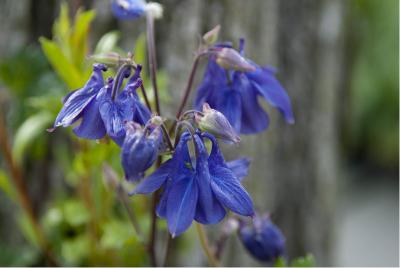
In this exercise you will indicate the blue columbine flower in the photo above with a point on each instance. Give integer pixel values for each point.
(198, 190)
(117, 108)
(128, 9)
(262, 239)
(82, 104)
(140, 149)
(235, 93)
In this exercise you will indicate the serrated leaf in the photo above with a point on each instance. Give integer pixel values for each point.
(107, 42)
(64, 68)
(6, 186)
(29, 130)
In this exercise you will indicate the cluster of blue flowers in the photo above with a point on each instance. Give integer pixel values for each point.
(197, 185)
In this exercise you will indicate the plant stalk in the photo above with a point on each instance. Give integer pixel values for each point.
(21, 188)
(151, 52)
(206, 248)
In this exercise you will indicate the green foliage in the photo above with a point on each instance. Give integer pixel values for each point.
(373, 120)
(5, 185)
(29, 131)
(68, 49)
(306, 261)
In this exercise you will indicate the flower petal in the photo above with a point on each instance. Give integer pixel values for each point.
(115, 113)
(269, 87)
(229, 103)
(253, 118)
(181, 205)
(73, 107)
(230, 193)
(239, 167)
(154, 181)
(209, 210)
(91, 126)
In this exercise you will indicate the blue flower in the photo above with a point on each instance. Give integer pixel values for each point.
(262, 239)
(235, 94)
(128, 9)
(82, 104)
(198, 191)
(123, 107)
(139, 150)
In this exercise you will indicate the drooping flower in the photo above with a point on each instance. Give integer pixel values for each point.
(199, 189)
(235, 92)
(128, 9)
(140, 149)
(82, 104)
(262, 239)
(214, 122)
(133, 9)
(117, 108)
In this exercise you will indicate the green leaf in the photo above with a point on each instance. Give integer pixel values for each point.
(80, 35)
(6, 186)
(139, 51)
(115, 234)
(306, 261)
(107, 42)
(75, 250)
(62, 29)
(280, 262)
(75, 213)
(29, 131)
(64, 68)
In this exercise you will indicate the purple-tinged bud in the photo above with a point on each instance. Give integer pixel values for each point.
(211, 36)
(215, 123)
(262, 239)
(139, 150)
(230, 59)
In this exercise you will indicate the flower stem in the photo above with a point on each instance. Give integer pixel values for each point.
(124, 200)
(21, 188)
(206, 248)
(168, 247)
(153, 231)
(188, 86)
(114, 183)
(151, 52)
(167, 137)
(146, 99)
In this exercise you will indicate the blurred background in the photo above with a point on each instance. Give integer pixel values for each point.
(330, 181)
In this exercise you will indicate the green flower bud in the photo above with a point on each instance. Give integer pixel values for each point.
(215, 123)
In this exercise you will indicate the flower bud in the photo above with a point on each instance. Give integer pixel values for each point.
(211, 36)
(230, 59)
(139, 150)
(155, 10)
(128, 9)
(156, 120)
(215, 123)
(262, 239)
